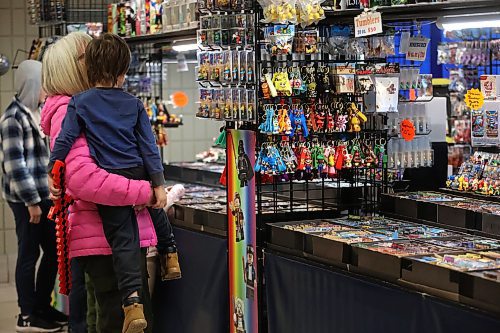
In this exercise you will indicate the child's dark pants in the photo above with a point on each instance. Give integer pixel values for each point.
(122, 233)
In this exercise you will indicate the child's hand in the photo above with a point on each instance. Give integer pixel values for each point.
(161, 197)
(55, 193)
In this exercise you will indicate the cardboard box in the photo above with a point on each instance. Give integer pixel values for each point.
(286, 238)
(480, 290)
(429, 275)
(331, 251)
(456, 217)
(490, 224)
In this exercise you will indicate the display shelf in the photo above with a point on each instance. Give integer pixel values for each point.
(473, 195)
(163, 37)
(420, 11)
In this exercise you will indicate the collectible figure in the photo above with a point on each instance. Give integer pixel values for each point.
(249, 273)
(237, 212)
(238, 315)
(245, 169)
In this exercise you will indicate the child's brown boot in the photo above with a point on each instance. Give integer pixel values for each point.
(170, 269)
(134, 318)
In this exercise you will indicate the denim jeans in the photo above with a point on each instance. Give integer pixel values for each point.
(34, 287)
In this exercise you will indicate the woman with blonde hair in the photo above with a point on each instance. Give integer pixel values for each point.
(64, 75)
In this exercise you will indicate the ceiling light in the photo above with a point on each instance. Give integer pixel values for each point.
(184, 47)
(450, 23)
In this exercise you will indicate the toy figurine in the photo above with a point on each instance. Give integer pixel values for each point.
(239, 315)
(250, 74)
(461, 183)
(237, 212)
(245, 170)
(298, 121)
(249, 273)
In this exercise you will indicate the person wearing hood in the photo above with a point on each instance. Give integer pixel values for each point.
(23, 157)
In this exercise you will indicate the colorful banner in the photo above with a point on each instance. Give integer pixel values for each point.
(242, 231)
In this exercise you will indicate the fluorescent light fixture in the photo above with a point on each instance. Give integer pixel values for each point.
(450, 23)
(184, 47)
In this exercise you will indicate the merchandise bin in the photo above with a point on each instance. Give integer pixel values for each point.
(480, 290)
(456, 217)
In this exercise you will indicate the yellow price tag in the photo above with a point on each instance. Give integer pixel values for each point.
(474, 99)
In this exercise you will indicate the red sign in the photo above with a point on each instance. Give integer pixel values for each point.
(407, 130)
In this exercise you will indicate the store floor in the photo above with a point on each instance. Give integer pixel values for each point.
(8, 308)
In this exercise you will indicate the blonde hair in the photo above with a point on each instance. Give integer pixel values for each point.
(63, 68)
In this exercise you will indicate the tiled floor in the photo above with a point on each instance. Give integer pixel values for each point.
(8, 308)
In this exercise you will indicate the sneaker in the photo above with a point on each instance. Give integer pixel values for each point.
(51, 314)
(170, 268)
(134, 322)
(33, 324)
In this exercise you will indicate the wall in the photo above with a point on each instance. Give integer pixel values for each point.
(196, 134)
(185, 141)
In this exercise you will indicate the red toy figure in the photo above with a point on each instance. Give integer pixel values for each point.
(59, 214)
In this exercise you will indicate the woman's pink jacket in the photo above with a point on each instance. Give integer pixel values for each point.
(88, 184)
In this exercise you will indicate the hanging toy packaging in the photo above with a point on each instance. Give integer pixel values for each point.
(279, 39)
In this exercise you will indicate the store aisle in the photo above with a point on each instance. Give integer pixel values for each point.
(8, 307)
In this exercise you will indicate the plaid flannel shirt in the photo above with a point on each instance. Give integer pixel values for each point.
(23, 156)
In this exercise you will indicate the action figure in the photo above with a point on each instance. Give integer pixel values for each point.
(238, 316)
(237, 212)
(245, 169)
(249, 273)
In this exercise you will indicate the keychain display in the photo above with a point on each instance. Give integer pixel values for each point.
(315, 159)
(468, 53)
(227, 104)
(227, 30)
(226, 67)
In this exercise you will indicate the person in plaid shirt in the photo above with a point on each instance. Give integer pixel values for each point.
(24, 157)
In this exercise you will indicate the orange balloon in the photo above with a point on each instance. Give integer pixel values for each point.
(180, 99)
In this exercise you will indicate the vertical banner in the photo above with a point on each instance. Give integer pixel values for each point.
(242, 231)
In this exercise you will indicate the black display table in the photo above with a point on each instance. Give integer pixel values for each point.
(199, 302)
(305, 297)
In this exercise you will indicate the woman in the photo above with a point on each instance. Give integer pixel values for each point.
(63, 76)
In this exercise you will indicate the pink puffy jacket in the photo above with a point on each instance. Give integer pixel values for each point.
(88, 184)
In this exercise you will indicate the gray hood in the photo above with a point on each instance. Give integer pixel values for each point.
(28, 82)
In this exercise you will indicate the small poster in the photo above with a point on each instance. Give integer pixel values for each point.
(387, 93)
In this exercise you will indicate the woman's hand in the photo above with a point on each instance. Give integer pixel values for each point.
(55, 193)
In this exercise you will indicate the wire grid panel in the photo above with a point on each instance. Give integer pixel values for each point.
(84, 11)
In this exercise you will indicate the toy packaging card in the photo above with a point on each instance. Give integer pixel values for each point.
(484, 121)
(489, 86)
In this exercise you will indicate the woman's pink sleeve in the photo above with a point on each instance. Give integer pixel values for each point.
(86, 181)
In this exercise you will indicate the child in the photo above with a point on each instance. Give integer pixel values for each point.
(121, 141)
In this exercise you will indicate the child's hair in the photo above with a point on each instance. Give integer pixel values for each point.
(106, 57)
(63, 69)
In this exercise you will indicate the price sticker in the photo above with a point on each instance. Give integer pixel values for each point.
(366, 24)
(417, 48)
(407, 130)
(474, 99)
